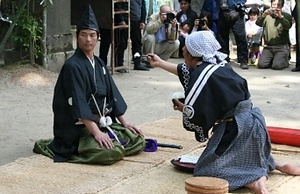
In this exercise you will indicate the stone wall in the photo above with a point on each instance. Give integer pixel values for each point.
(59, 36)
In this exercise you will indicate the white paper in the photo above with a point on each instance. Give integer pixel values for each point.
(189, 159)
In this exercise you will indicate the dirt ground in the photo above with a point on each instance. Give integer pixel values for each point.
(26, 93)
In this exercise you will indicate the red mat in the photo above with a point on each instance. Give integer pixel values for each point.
(285, 136)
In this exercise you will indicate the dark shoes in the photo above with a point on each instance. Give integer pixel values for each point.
(146, 63)
(122, 71)
(244, 66)
(296, 69)
(141, 67)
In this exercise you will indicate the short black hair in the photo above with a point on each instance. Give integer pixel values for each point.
(186, 22)
(189, 1)
(253, 11)
(208, 16)
(279, 1)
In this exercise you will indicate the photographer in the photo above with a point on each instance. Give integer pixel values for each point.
(204, 22)
(161, 35)
(231, 17)
(276, 23)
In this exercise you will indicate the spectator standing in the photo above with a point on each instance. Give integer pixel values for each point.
(254, 35)
(205, 22)
(231, 17)
(211, 7)
(161, 35)
(276, 26)
(137, 22)
(186, 14)
(296, 16)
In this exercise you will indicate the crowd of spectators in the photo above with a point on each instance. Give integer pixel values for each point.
(253, 24)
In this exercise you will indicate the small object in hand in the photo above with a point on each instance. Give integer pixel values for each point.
(178, 95)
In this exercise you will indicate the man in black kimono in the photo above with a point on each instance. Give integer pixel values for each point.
(217, 98)
(84, 88)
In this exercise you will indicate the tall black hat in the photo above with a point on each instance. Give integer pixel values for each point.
(88, 20)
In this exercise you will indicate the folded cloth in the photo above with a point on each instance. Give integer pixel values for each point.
(151, 145)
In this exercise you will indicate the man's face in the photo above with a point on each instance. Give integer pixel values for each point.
(184, 6)
(163, 12)
(87, 40)
(276, 4)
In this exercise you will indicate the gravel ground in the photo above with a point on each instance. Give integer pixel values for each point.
(26, 93)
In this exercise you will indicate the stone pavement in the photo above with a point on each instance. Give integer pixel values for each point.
(145, 173)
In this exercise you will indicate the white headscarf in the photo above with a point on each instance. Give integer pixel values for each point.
(204, 44)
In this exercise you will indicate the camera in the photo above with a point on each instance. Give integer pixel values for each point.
(240, 7)
(170, 16)
(272, 11)
(202, 22)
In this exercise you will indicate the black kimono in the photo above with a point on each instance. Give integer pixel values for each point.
(239, 148)
(72, 101)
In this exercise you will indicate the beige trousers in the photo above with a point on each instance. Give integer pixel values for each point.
(163, 49)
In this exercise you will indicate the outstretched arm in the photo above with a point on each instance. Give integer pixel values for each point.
(156, 61)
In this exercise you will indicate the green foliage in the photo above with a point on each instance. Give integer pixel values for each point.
(28, 31)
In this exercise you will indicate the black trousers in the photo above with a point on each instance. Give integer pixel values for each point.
(105, 35)
(121, 36)
(136, 37)
(120, 45)
(297, 19)
(232, 20)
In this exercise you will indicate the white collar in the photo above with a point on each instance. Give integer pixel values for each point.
(92, 62)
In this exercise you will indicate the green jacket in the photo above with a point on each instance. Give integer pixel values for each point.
(276, 30)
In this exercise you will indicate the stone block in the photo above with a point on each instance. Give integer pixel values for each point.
(60, 43)
(56, 61)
